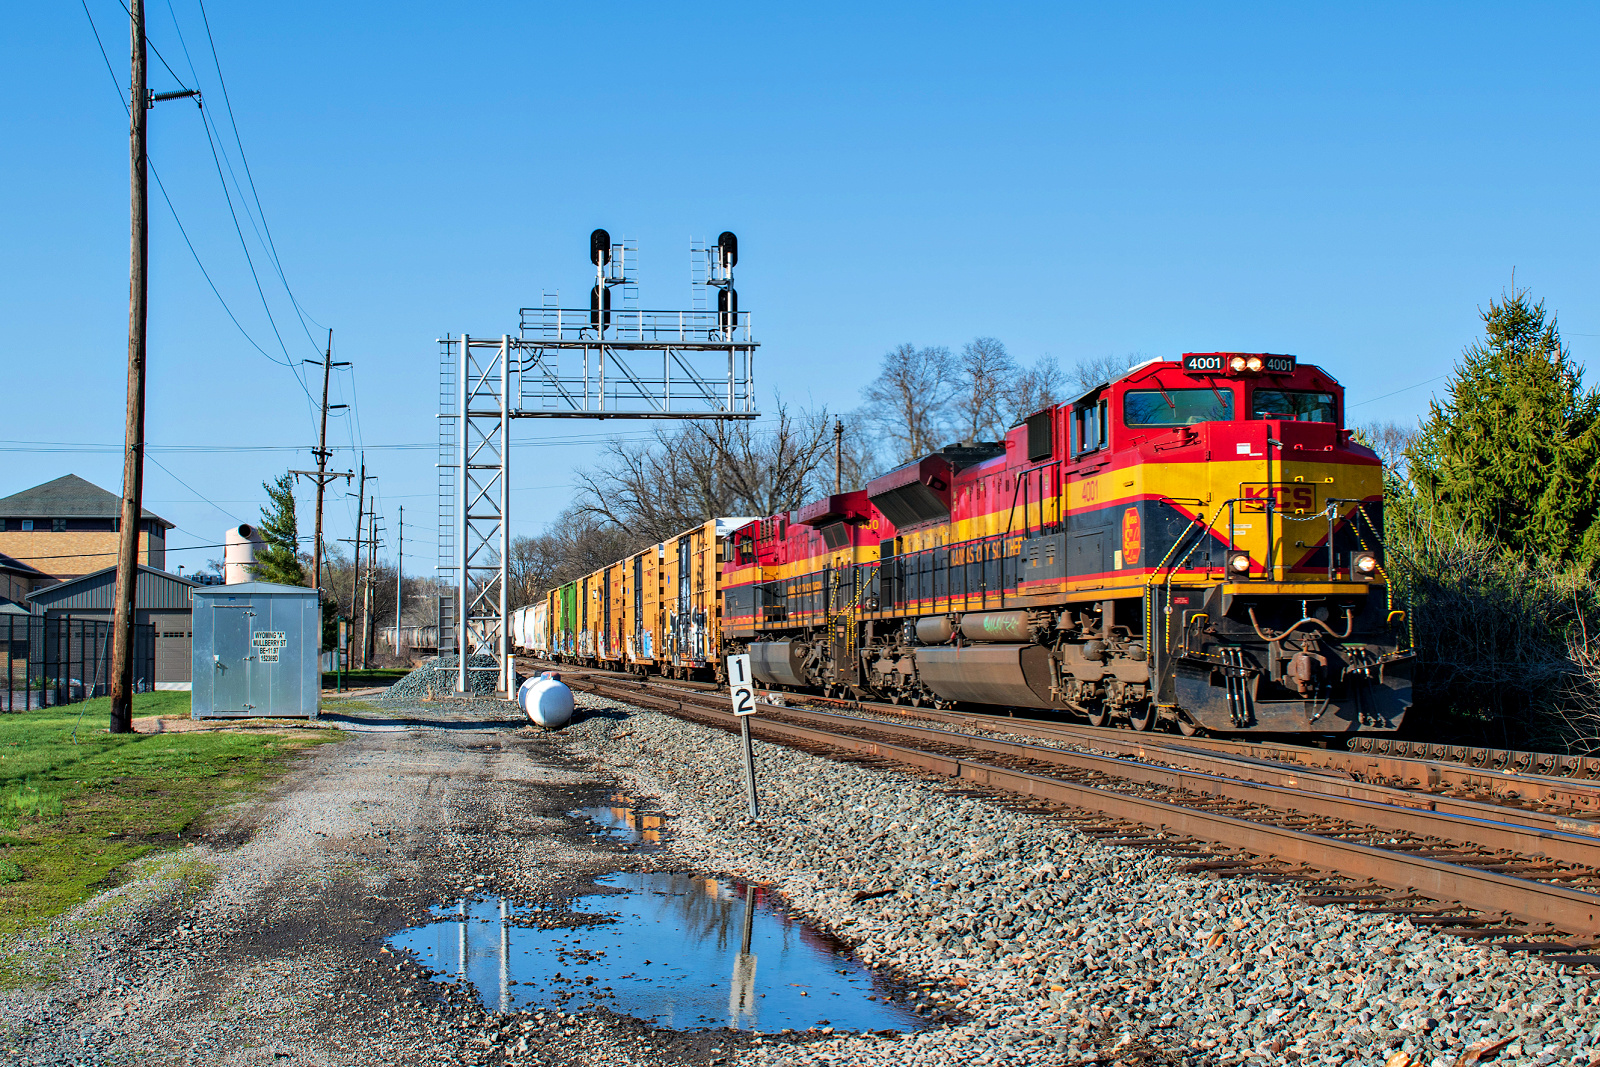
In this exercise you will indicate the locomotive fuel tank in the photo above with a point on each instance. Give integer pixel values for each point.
(779, 662)
(1015, 674)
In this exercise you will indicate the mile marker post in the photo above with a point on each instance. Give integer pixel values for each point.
(743, 695)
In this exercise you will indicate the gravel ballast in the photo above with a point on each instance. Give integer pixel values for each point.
(1054, 949)
(438, 676)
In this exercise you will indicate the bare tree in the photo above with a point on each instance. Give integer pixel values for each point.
(1037, 387)
(720, 469)
(986, 376)
(1389, 440)
(858, 454)
(1089, 373)
(907, 404)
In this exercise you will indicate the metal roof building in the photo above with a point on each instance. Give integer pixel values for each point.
(160, 599)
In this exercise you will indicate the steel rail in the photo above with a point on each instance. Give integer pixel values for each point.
(1429, 774)
(1337, 799)
(1488, 892)
(1230, 764)
(1412, 773)
(1381, 814)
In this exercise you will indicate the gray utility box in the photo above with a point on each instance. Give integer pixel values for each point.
(256, 648)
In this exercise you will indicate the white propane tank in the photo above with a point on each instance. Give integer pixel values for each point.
(546, 700)
(239, 547)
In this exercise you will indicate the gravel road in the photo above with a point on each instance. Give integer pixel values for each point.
(263, 943)
(1021, 941)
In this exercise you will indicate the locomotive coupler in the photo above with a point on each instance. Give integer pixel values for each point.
(1307, 666)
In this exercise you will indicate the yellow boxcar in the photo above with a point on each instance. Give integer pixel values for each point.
(691, 608)
(641, 609)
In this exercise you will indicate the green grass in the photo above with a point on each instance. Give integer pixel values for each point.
(74, 813)
(366, 678)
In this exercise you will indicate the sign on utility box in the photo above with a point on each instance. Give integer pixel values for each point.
(743, 695)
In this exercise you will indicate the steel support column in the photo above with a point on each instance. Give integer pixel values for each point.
(484, 497)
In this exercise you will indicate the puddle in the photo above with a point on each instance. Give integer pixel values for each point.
(621, 818)
(684, 951)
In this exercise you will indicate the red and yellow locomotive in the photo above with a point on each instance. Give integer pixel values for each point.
(1196, 543)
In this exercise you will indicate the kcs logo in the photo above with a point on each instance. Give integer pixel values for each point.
(1297, 496)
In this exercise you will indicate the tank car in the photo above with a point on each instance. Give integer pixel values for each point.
(1196, 544)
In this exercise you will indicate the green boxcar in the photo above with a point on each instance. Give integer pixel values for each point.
(568, 626)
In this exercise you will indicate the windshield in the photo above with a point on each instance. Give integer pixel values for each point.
(1299, 406)
(1176, 407)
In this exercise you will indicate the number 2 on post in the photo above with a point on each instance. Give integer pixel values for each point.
(740, 690)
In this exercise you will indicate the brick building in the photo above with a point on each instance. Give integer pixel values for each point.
(69, 527)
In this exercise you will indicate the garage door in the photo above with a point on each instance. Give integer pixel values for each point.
(174, 642)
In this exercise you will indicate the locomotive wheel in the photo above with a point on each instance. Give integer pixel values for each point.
(1142, 722)
(1099, 716)
(1187, 728)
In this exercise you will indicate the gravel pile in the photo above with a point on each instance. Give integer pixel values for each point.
(1050, 948)
(438, 677)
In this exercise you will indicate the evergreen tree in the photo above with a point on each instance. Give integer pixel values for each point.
(1513, 452)
(280, 560)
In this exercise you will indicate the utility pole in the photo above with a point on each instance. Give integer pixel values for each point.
(838, 456)
(366, 601)
(321, 474)
(399, 570)
(140, 101)
(361, 505)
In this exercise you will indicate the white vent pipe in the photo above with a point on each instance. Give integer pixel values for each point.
(239, 547)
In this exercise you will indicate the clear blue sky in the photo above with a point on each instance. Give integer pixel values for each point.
(1344, 183)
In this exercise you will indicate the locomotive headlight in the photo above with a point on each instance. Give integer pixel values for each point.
(1365, 564)
(1253, 364)
(1239, 563)
(1237, 364)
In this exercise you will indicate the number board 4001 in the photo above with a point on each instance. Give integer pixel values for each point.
(1223, 363)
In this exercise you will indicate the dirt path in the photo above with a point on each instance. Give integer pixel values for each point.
(265, 942)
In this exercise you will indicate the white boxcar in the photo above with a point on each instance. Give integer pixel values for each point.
(537, 630)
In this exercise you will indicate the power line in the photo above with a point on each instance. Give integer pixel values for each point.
(192, 489)
(1397, 392)
(149, 44)
(233, 122)
(182, 230)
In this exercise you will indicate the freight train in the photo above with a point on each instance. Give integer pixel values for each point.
(1196, 545)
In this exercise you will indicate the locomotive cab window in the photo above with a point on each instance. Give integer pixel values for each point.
(1089, 428)
(1293, 404)
(1176, 407)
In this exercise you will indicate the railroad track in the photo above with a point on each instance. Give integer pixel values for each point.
(1474, 868)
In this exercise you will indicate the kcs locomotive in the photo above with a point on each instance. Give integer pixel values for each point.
(1197, 544)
